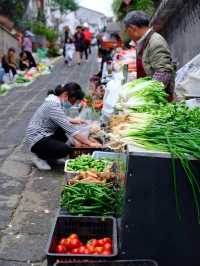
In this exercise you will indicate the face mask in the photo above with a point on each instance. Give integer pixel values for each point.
(67, 105)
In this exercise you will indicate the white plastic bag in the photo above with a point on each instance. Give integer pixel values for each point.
(111, 96)
(191, 85)
(69, 52)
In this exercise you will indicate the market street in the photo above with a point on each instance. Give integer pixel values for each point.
(29, 198)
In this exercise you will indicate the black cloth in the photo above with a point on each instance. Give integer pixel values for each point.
(7, 67)
(66, 35)
(52, 147)
(85, 51)
(30, 59)
(106, 56)
(79, 41)
(23, 66)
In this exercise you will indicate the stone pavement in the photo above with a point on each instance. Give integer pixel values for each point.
(28, 197)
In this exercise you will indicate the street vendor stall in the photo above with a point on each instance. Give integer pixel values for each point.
(146, 179)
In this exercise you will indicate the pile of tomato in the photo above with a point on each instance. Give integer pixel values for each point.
(73, 245)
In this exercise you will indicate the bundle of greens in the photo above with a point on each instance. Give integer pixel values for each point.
(21, 79)
(142, 95)
(91, 199)
(175, 128)
(3, 89)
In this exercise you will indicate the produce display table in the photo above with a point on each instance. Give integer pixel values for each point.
(150, 227)
(157, 204)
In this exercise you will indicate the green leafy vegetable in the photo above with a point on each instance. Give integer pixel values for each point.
(86, 162)
(175, 128)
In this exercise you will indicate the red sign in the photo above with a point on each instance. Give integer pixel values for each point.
(127, 2)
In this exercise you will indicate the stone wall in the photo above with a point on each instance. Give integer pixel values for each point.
(182, 29)
(7, 41)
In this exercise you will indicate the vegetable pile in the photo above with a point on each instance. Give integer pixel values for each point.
(73, 245)
(22, 79)
(91, 199)
(176, 129)
(142, 95)
(93, 176)
(3, 89)
(86, 162)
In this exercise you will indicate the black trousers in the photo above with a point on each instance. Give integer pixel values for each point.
(52, 147)
(85, 51)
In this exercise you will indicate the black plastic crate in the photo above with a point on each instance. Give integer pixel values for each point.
(86, 228)
(110, 263)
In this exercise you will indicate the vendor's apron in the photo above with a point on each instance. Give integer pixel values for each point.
(140, 68)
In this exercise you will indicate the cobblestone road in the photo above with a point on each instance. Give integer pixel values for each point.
(28, 197)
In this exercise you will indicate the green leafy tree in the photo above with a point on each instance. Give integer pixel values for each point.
(120, 9)
(41, 16)
(14, 9)
(67, 5)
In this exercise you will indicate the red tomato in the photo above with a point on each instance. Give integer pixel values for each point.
(90, 248)
(107, 240)
(75, 251)
(65, 242)
(101, 242)
(99, 250)
(107, 246)
(106, 252)
(86, 251)
(73, 236)
(75, 243)
(60, 249)
(93, 242)
(62, 241)
(81, 250)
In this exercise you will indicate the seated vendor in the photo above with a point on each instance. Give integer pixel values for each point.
(2, 71)
(9, 62)
(47, 132)
(25, 62)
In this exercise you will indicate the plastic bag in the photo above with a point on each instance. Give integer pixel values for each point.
(191, 85)
(88, 113)
(111, 96)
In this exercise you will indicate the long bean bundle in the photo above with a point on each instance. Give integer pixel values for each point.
(91, 199)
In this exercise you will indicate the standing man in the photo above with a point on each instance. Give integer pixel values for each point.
(153, 54)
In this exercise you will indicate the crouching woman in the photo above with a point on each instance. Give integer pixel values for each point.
(47, 132)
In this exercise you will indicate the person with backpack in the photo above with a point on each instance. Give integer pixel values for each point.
(87, 39)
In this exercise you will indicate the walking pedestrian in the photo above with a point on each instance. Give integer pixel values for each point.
(66, 33)
(79, 43)
(47, 132)
(87, 39)
(69, 50)
(153, 54)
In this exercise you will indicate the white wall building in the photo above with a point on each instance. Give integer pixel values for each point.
(95, 19)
